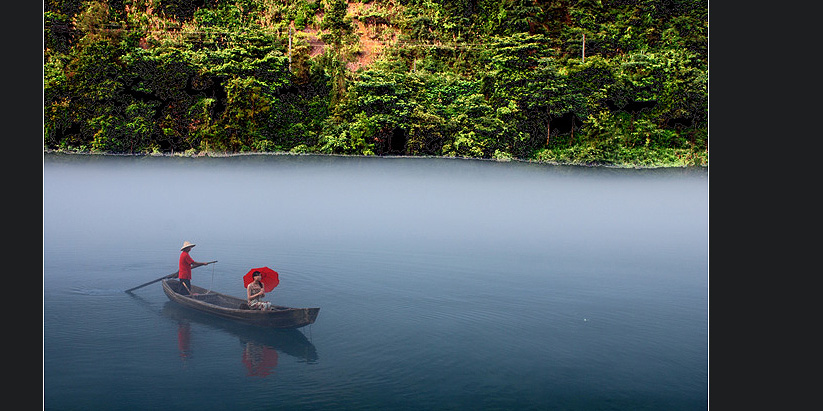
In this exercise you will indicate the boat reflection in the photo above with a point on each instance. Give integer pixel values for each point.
(261, 347)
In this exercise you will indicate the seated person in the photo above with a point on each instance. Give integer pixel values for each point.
(254, 294)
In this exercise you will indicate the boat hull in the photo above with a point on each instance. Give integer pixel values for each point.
(226, 306)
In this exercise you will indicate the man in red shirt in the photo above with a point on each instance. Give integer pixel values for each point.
(185, 266)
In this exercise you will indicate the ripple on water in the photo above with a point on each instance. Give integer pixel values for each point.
(95, 291)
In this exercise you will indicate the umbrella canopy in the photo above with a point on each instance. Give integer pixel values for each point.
(269, 278)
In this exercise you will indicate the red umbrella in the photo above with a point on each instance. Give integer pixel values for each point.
(269, 278)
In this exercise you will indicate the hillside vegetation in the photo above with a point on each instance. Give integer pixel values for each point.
(472, 78)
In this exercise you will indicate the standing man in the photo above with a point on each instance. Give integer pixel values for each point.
(186, 264)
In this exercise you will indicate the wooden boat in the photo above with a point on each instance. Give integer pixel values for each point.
(237, 309)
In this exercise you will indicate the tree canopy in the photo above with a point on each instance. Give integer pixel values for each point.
(475, 78)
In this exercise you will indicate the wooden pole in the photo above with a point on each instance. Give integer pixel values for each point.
(172, 275)
(290, 49)
(584, 47)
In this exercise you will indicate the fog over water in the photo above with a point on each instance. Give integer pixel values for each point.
(440, 281)
(381, 202)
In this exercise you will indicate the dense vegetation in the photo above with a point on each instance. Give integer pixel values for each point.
(476, 78)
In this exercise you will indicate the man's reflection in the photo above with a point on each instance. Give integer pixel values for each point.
(184, 339)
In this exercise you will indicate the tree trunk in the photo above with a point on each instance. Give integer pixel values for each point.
(572, 129)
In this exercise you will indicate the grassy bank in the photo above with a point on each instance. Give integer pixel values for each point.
(575, 156)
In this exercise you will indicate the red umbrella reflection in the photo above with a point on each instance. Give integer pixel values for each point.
(259, 359)
(269, 278)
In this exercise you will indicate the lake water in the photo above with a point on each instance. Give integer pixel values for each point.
(442, 284)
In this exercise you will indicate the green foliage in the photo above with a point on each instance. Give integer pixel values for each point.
(475, 78)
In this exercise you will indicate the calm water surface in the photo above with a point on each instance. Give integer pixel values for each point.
(443, 284)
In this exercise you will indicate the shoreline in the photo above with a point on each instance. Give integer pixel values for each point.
(214, 154)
